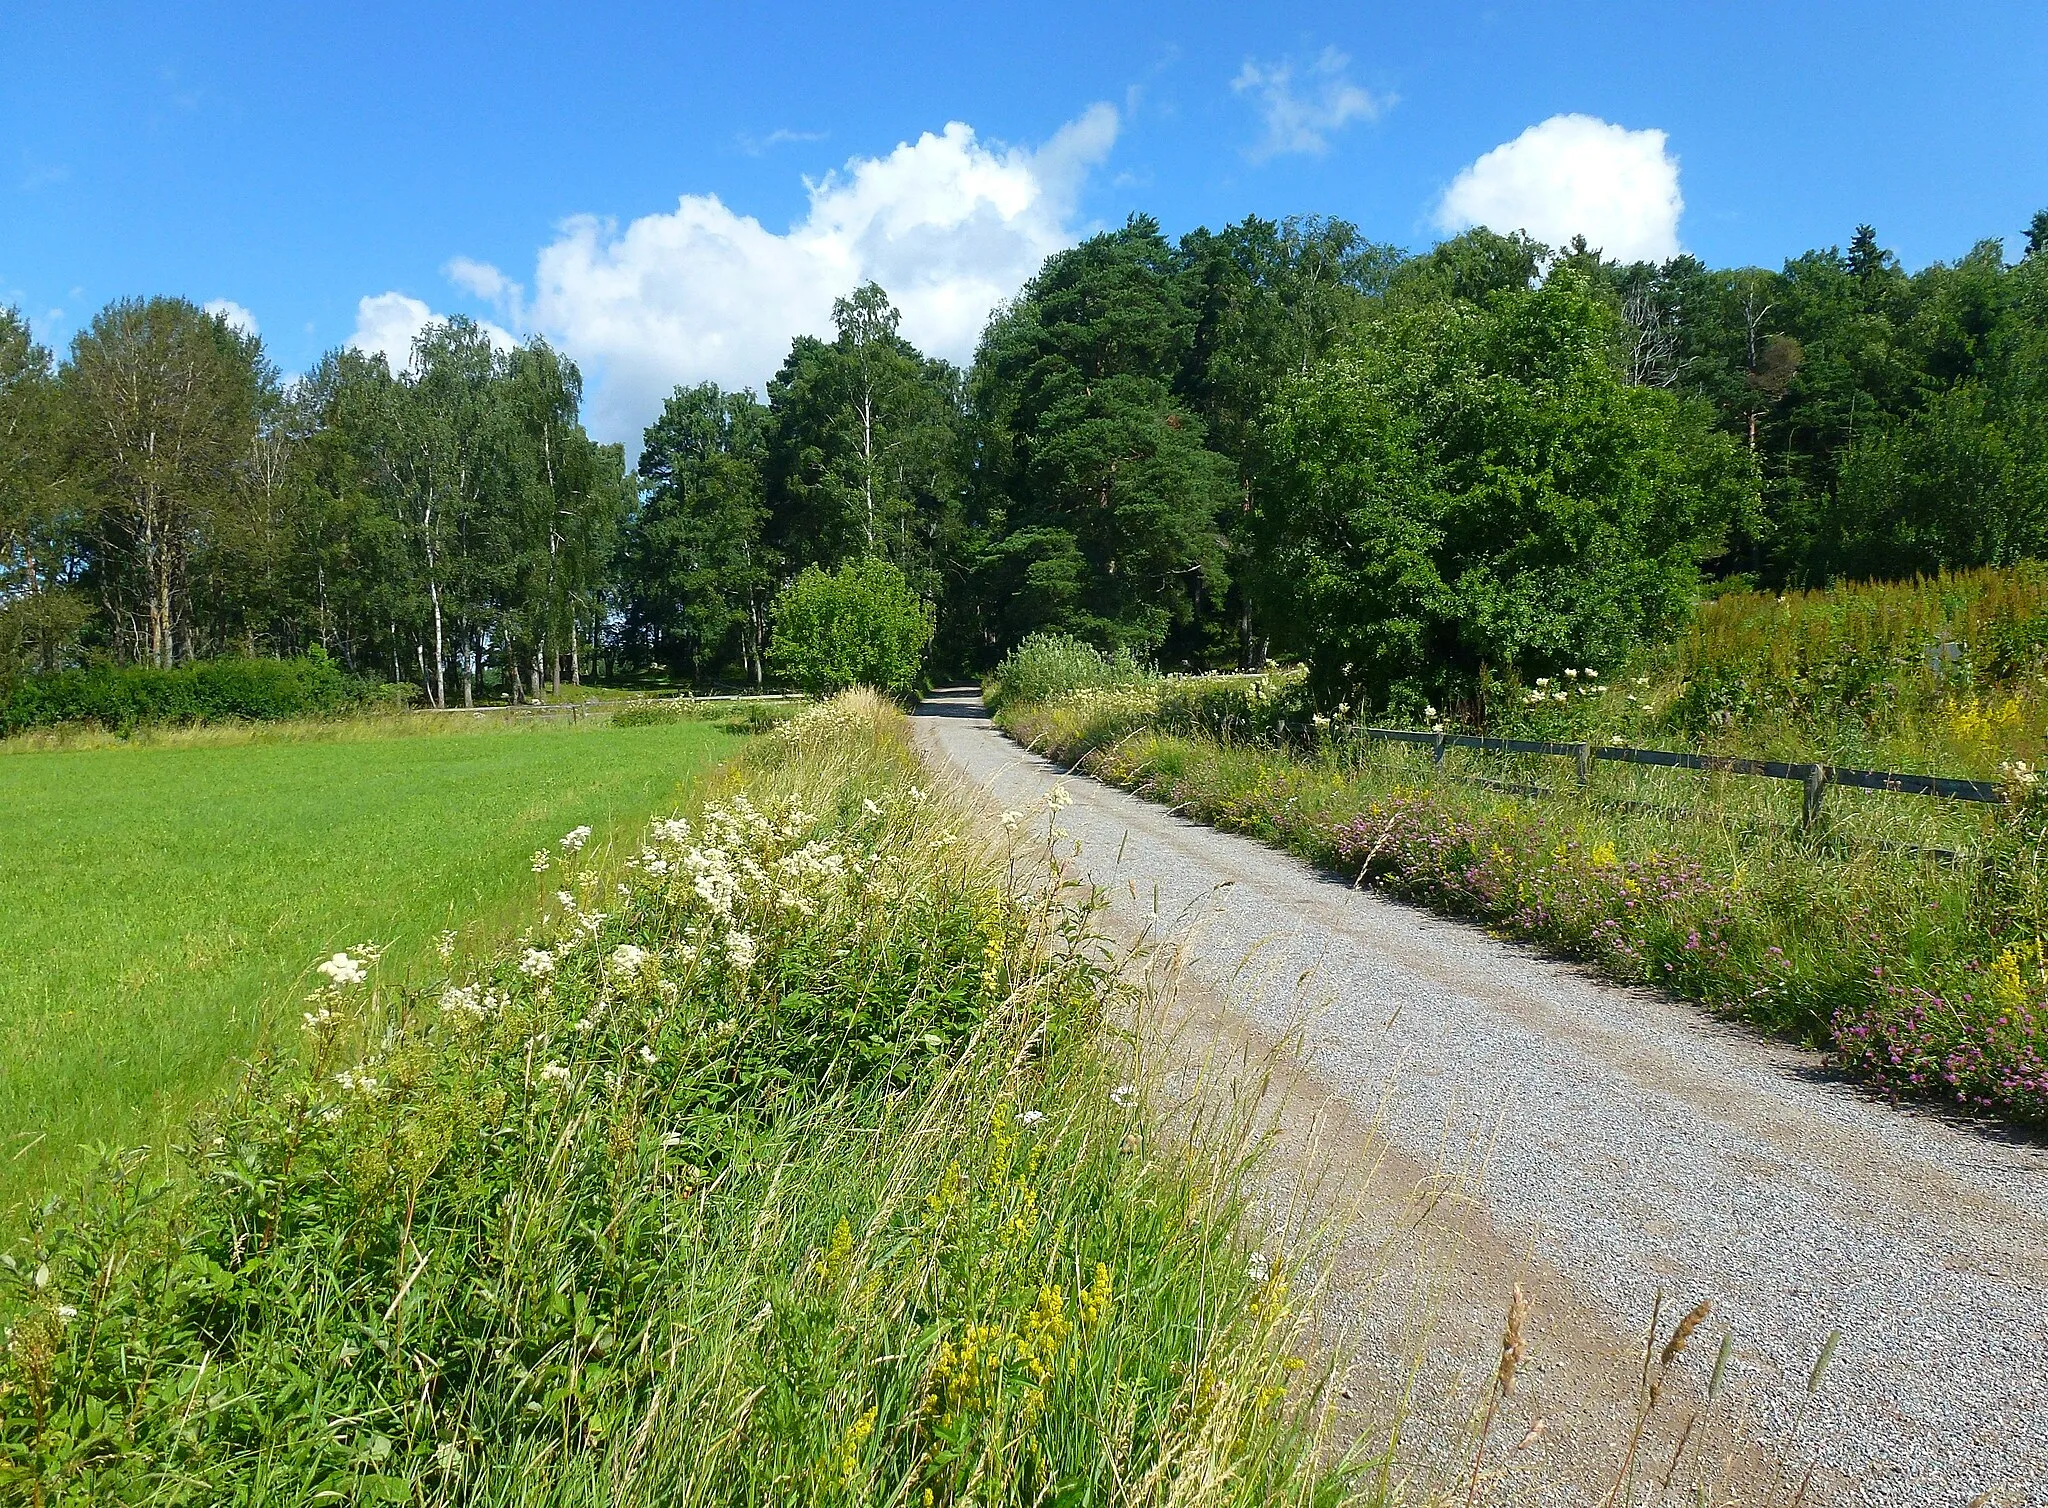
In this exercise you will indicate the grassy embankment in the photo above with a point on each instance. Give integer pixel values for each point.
(785, 1161)
(1922, 973)
(162, 899)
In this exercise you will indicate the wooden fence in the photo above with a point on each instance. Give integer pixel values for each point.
(1816, 778)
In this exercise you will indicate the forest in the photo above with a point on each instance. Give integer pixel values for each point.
(1483, 460)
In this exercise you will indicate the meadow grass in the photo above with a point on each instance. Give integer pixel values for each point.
(162, 898)
(790, 1159)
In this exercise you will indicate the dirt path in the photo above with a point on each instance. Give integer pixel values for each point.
(1523, 1121)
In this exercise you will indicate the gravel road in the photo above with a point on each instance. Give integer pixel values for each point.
(1625, 1143)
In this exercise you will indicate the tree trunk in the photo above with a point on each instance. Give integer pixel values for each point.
(575, 654)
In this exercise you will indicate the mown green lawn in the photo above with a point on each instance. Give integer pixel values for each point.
(161, 907)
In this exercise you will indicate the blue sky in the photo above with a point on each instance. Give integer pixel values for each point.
(341, 172)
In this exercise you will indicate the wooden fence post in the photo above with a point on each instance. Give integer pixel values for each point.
(1584, 755)
(1436, 750)
(1816, 788)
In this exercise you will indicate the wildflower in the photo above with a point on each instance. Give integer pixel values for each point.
(1617, 740)
(554, 1073)
(357, 1082)
(1429, 713)
(445, 946)
(540, 861)
(67, 1312)
(1591, 675)
(630, 962)
(1058, 799)
(1543, 683)
(1259, 1269)
(1030, 1117)
(1010, 821)
(867, 805)
(1570, 674)
(739, 951)
(1559, 696)
(537, 963)
(565, 900)
(917, 795)
(1123, 1096)
(648, 1055)
(574, 839)
(1642, 680)
(342, 970)
(320, 1020)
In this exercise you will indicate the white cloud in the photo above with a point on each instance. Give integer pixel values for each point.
(755, 146)
(487, 283)
(1300, 117)
(948, 224)
(1575, 175)
(390, 322)
(233, 313)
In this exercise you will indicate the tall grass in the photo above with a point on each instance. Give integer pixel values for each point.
(1049, 665)
(784, 1162)
(1945, 675)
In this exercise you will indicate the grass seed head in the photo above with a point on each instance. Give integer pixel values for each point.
(1513, 1349)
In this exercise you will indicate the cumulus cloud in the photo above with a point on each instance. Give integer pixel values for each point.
(388, 323)
(233, 313)
(484, 281)
(1575, 175)
(949, 224)
(1301, 113)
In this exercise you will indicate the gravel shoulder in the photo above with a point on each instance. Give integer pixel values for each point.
(1494, 1116)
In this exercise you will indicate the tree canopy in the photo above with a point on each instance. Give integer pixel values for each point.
(1418, 472)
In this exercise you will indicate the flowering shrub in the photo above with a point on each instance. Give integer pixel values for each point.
(777, 1162)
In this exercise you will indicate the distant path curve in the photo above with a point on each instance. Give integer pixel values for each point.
(1630, 1142)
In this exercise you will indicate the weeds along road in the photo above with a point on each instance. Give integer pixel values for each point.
(1599, 1144)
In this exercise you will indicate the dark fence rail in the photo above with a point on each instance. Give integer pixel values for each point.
(1815, 778)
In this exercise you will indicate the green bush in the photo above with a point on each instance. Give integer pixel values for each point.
(651, 715)
(250, 690)
(861, 625)
(1048, 665)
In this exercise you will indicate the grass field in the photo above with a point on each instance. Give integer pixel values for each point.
(162, 902)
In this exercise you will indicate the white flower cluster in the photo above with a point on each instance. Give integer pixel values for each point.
(630, 964)
(574, 839)
(472, 1002)
(344, 970)
(537, 963)
(2018, 772)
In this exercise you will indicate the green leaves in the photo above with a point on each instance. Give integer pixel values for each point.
(861, 625)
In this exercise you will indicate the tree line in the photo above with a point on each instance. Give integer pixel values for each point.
(1419, 471)
(165, 499)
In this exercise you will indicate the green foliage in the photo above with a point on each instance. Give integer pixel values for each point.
(696, 571)
(1048, 665)
(230, 690)
(1110, 502)
(861, 625)
(1480, 489)
(730, 1199)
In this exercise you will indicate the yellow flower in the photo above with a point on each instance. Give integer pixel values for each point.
(1095, 1300)
(1046, 1328)
(850, 1447)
